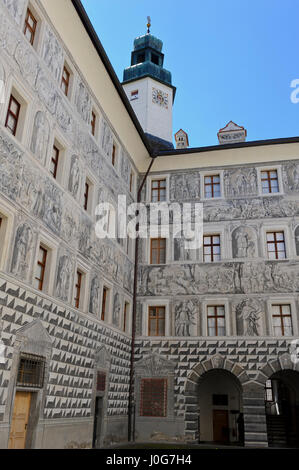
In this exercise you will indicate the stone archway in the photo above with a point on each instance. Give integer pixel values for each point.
(193, 383)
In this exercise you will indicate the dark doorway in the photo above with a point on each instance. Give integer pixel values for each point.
(220, 426)
(97, 426)
(282, 409)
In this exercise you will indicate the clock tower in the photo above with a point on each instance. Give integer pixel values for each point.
(150, 91)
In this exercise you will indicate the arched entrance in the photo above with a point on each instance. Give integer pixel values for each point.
(220, 407)
(282, 408)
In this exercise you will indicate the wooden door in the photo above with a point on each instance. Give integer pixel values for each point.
(220, 426)
(97, 426)
(20, 417)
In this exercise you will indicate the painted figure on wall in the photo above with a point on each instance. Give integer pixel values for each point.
(40, 136)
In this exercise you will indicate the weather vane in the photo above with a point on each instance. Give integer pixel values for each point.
(149, 23)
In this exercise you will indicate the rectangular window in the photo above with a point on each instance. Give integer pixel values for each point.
(113, 155)
(134, 95)
(158, 250)
(54, 161)
(158, 190)
(211, 248)
(268, 391)
(41, 268)
(30, 26)
(212, 186)
(86, 194)
(93, 123)
(101, 382)
(104, 303)
(126, 312)
(78, 286)
(131, 181)
(282, 320)
(65, 81)
(153, 397)
(276, 245)
(31, 371)
(156, 321)
(269, 180)
(12, 116)
(216, 320)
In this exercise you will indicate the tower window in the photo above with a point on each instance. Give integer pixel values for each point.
(140, 58)
(155, 59)
(13, 114)
(30, 26)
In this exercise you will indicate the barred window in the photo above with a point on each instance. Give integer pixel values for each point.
(31, 371)
(101, 382)
(153, 397)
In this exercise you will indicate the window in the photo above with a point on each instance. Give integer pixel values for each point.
(216, 320)
(269, 180)
(158, 251)
(276, 245)
(156, 321)
(3, 228)
(282, 320)
(41, 268)
(211, 248)
(153, 397)
(93, 123)
(126, 312)
(30, 26)
(65, 80)
(134, 95)
(54, 161)
(104, 303)
(131, 181)
(113, 154)
(78, 287)
(86, 194)
(12, 116)
(154, 58)
(158, 190)
(269, 391)
(31, 371)
(212, 186)
(101, 382)
(140, 57)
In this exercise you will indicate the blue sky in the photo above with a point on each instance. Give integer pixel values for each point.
(230, 59)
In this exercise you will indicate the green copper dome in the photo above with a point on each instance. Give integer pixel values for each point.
(147, 60)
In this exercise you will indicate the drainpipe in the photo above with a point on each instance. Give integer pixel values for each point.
(131, 406)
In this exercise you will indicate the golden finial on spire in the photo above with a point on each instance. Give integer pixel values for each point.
(149, 23)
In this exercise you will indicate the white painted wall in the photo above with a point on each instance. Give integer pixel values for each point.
(154, 119)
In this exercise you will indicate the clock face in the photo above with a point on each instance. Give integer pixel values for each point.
(160, 98)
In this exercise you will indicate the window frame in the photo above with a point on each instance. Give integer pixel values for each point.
(281, 316)
(151, 178)
(211, 235)
(159, 240)
(157, 318)
(216, 317)
(16, 117)
(293, 307)
(153, 381)
(280, 180)
(276, 242)
(28, 26)
(65, 85)
(43, 265)
(208, 173)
